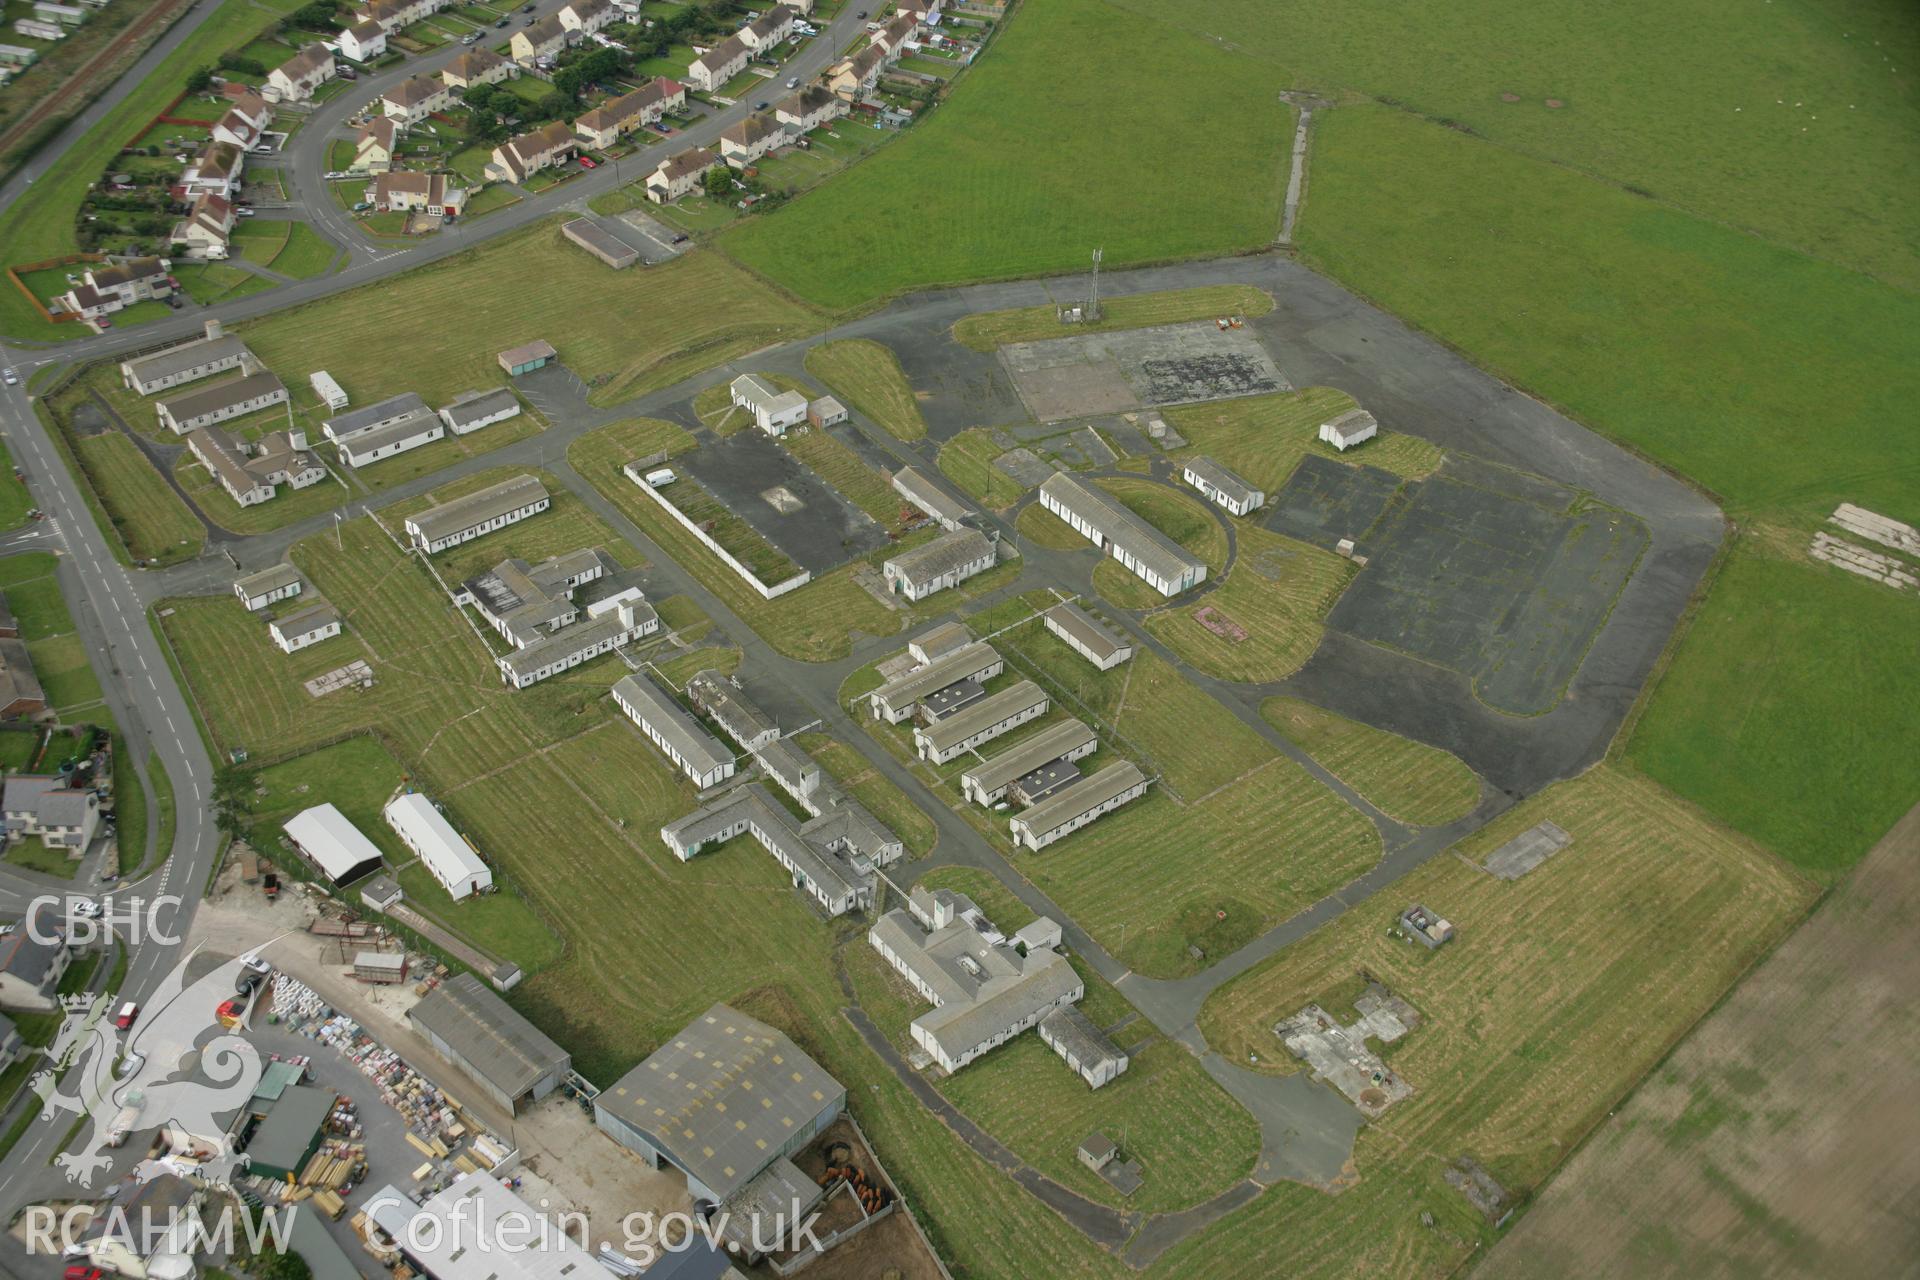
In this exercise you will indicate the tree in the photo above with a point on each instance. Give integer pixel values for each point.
(200, 80)
(233, 789)
(717, 181)
(484, 125)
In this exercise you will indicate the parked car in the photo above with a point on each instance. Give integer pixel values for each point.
(681, 238)
(470, 37)
(586, 162)
(862, 15)
(81, 1271)
(347, 73)
(503, 22)
(761, 106)
(264, 149)
(358, 205)
(246, 213)
(12, 378)
(125, 1018)
(793, 82)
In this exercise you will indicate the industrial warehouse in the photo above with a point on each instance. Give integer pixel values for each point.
(473, 1029)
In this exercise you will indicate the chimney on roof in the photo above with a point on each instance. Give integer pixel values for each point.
(214, 331)
(296, 438)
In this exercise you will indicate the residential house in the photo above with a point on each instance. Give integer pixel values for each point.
(586, 16)
(186, 362)
(853, 79)
(364, 40)
(29, 970)
(215, 171)
(392, 15)
(268, 586)
(295, 79)
(1220, 486)
(810, 108)
(478, 66)
(679, 174)
(745, 142)
(773, 410)
(415, 98)
(518, 158)
(716, 66)
(1353, 427)
(613, 120)
(206, 232)
(544, 39)
(892, 39)
(925, 12)
(768, 30)
(373, 148)
(309, 626)
(1161, 562)
(104, 290)
(20, 693)
(245, 121)
(236, 397)
(984, 988)
(42, 806)
(430, 193)
(945, 562)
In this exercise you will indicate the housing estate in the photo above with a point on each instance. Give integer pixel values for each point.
(726, 1101)
(415, 98)
(104, 290)
(1066, 811)
(268, 586)
(364, 40)
(45, 807)
(900, 697)
(528, 153)
(337, 849)
(309, 626)
(980, 722)
(252, 473)
(1087, 636)
(219, 401)
(693, 750)
(444, 852)
(945, 562)
(1156, 559)
(471, 410)
(207, 230)
(478, 66)
(769, 29)
(615, 119)
(716, 66)
(773, 410)
(1353, 427)
(809, 108)
(679, 174)
(470, 1026)
(434, 194)
(746, 141)
(987, 782)
(30, 968)
(187, 362)
(373, 146)
(1220, 486)
(295, 79)
(985, 987)
(544, 39)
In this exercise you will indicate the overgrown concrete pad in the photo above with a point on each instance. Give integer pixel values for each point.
(786, 503)
(1099, 373)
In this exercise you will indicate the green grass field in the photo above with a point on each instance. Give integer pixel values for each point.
(1180, 516)
(149, 517)
(967, 460)
(983, 188)
(307, 253)
(1535, 1020)
(988, 330)
(1263, 438)
(1404, 779)
(1044, 528)
(676, 319)
(1278, 592)
(867, 376)
(59, 657)
(848, 473)
(15, 501)
(39, 223)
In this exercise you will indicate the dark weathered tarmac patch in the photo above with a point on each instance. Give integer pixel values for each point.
(1324, 501)
(1099, 373)
(1504, 590)
(822, 532)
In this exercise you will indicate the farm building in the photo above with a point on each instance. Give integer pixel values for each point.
(693, 750)
(773, 410)
(526, 358)
(328, 390)
(945, 562)
(984, 991)
(472, 1028)
(472, 410)
(233, 398)
(983, 721)
(1087, 636)
(720, 699)
(1081, 1045)
(1220, 486)
(1155, 558)
(1353, 427)
(723, 1101)
(1065, 812)
(600, 242)
(947, 512)
(986, 783)
(897, 699)
(187, 362)
(826, 412)
(477, 514)
(443, 851)
(939, 641)
(324, 837)
(258, 590)
(309, 626)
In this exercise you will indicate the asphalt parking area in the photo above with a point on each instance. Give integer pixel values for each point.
(790, 506)
(1503, 589)
(1325, 501)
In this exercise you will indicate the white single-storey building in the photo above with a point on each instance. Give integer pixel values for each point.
(773, 410)
(309, 626)
(1220, 486)
(443, 851)
(1349, 429)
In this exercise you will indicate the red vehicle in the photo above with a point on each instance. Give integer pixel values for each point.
(586, 163)
(80, 1271)
(128, 1012)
